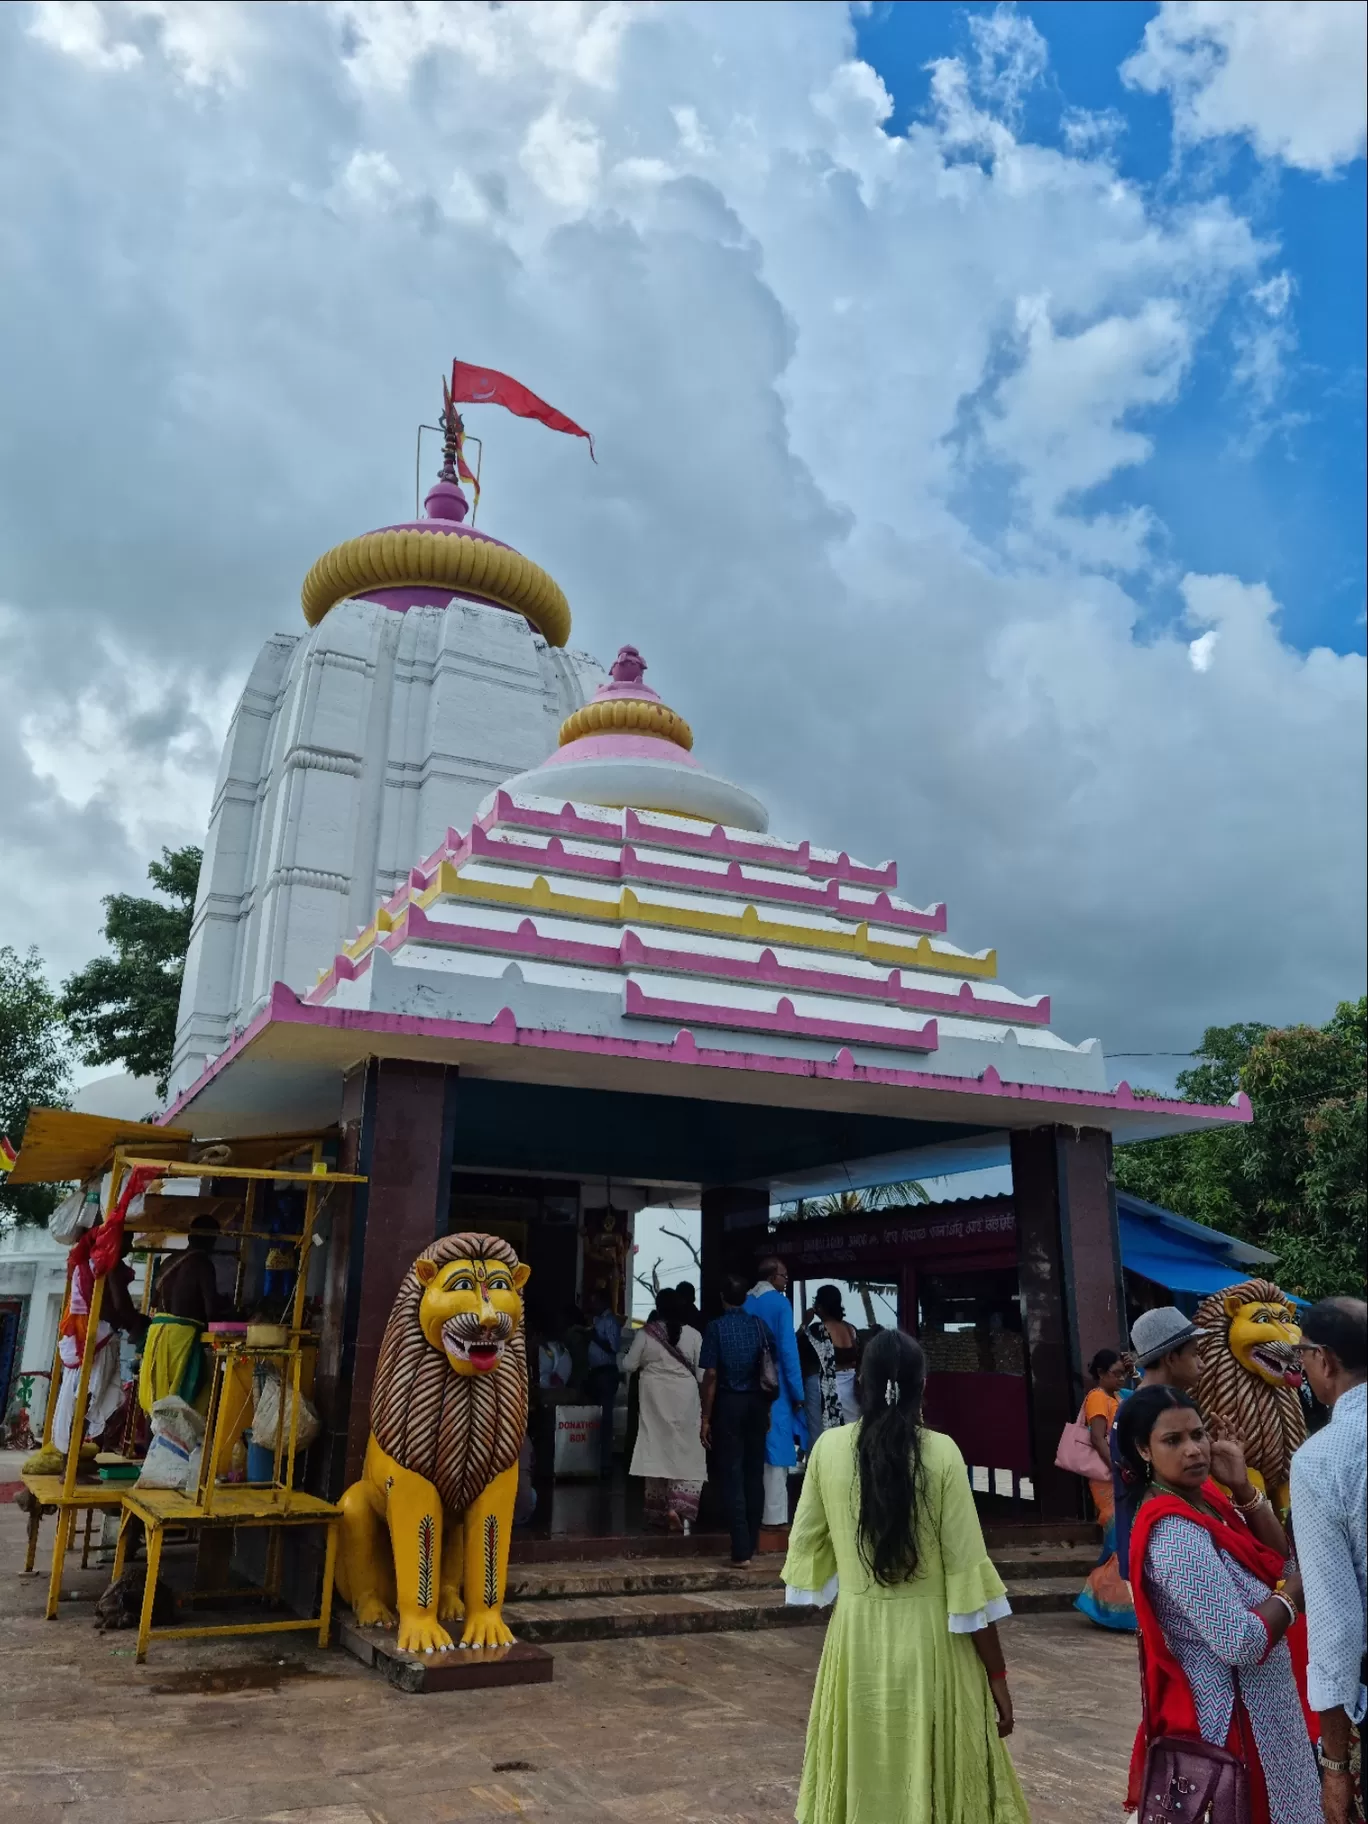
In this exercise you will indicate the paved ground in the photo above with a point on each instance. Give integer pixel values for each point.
(695, 1730)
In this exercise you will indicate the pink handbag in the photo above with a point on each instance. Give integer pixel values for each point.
(1077, 1453)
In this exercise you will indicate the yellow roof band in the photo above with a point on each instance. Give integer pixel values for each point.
(626, 715)
(748, 925)
(405, 558)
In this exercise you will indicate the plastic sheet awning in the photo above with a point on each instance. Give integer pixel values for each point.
(1182, 1273)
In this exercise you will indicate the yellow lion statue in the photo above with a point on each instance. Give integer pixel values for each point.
(1250, 1376)
(426, 1529)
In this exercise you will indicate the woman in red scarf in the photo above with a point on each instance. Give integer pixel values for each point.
(1222, 1645)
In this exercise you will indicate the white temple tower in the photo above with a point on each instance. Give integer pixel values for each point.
(434, 669)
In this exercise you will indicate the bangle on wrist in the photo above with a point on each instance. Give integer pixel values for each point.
(1288, 1604)
(1249, 1507)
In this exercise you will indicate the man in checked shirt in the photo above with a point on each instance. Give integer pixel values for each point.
(1330, 1517)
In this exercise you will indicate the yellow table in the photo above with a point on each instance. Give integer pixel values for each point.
(236, 1504)
(89, 1498)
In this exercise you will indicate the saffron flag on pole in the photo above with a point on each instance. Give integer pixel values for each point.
(455, 431)
(8, 1157)
(486, 386)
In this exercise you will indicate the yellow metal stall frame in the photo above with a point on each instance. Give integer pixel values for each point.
(60, 1146)
(64, 1147)
(276, 1504)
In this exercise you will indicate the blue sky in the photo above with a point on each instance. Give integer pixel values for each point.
(1288, 504)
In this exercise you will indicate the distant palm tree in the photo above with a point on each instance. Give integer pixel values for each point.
(855, 1203)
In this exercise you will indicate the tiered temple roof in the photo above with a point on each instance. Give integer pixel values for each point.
(618, 924)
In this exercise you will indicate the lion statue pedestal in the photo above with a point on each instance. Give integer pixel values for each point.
(425, 1532)
(1250, 1376)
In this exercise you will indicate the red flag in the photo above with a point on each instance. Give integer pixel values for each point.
(485, 386)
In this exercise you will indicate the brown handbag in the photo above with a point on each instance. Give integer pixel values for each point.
(1189, 1781)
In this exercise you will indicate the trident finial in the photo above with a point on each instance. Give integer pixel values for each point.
(453, 429)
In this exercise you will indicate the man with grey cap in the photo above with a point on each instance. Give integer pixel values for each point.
(1168, 1351)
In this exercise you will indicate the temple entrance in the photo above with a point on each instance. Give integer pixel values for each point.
(958, 1289)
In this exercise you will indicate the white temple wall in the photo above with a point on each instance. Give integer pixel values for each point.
(349, 755)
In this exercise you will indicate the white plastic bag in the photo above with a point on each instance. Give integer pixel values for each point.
(74, 1215)
(173, 1418)
(166, 1465)
(266, 1418)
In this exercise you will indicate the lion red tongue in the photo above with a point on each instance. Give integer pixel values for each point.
(483, 1355)
(1293, 1377)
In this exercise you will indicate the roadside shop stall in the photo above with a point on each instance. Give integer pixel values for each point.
(227, 1460)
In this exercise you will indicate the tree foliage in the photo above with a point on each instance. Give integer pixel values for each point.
(1293, 1181)
(122, 1008)
(34, 1069)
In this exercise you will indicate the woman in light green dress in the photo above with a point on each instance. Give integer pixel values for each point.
(911, 1702)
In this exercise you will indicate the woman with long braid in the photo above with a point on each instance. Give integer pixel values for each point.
(911, 1704)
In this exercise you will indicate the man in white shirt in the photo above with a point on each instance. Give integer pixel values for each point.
(1330, 1520)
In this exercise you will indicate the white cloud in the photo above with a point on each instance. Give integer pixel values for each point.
(80, 30)
(563, 158)
(202, 40)
(1288, 74)
(856, 395)
(371, 180)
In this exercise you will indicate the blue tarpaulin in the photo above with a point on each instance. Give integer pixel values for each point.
(1165, 1249)
(1182, 1275)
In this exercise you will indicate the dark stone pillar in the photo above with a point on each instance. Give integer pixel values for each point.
(402, 1113)
(733, 1228)
(1069, 1253)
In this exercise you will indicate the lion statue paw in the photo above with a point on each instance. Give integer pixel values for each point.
(423, 1635)
(372, 1613)
(486, 1631)
(449, 1604)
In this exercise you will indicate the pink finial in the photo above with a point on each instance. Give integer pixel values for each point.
(444, 500)
(628, 667)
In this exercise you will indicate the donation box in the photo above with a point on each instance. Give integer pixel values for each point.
(577, 1441)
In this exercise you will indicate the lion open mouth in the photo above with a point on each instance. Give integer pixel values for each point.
(466, 1339)
(1278, 1363)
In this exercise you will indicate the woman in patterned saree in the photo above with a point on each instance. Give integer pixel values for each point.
(828, 1356)
(1104, 1598)
(1222, 1645)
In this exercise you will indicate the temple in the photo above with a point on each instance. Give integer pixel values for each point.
(481, 908)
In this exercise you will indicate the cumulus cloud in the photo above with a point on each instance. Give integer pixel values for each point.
(857, 396)
(1286, 74)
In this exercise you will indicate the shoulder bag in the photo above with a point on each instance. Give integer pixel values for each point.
(769, 1368)
(1077, 1454)
(1189, 1779)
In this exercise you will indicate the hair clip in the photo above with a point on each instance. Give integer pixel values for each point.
(892, 1393)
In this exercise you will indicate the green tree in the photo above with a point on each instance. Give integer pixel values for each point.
(122, 1008)
(1293, 1181)
(34, 1069)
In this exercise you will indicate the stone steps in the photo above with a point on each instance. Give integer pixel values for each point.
(616, 1599)
(578, 1579)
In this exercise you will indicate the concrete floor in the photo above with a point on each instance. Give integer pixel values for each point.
(695, 1730)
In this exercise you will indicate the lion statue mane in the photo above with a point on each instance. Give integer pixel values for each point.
(460, 1431)
(1267, 1414)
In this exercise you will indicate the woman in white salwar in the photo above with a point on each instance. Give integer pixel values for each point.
(669, 1452)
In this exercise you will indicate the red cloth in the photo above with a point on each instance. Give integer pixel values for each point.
(1169, 1705)
(486, 386)
(99, 1251)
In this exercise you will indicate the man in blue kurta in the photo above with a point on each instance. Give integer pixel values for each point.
(769, 1302)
